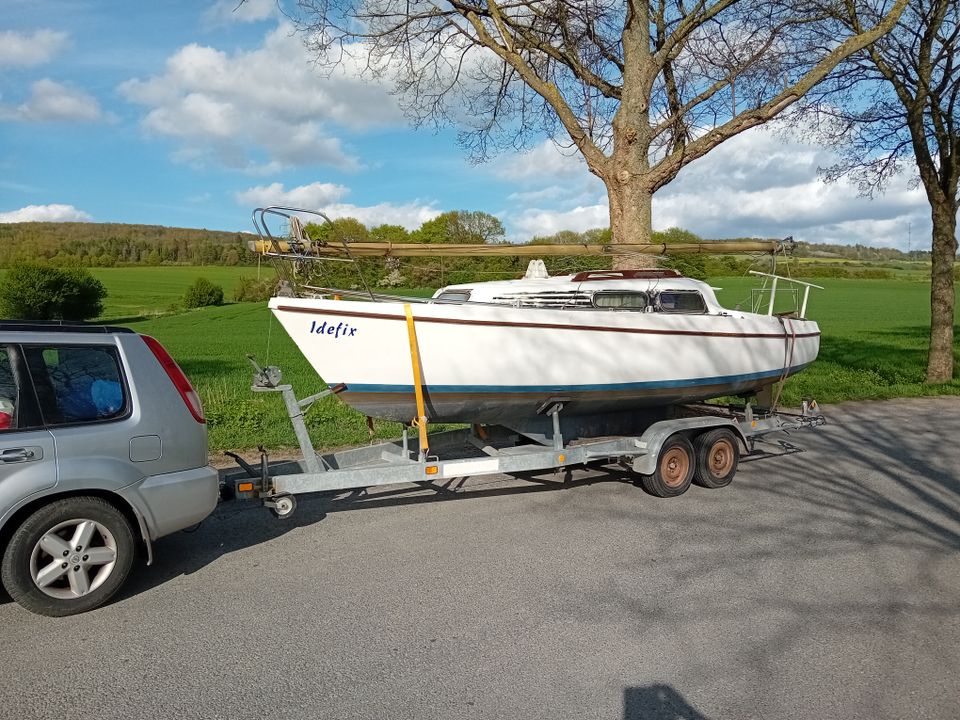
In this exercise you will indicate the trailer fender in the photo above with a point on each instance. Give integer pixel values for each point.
(657, 434)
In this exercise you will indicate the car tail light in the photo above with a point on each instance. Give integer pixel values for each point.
(180, 381)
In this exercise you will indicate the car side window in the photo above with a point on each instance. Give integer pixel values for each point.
(77, 384)
(8, 393)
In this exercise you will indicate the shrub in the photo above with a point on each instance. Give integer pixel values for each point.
(203, 293)
(251, 290)
(40, 292)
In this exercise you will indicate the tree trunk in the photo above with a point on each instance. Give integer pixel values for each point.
(942, 297)
(631, 220)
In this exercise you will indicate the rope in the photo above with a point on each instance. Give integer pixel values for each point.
(269, 333)
(790, 342)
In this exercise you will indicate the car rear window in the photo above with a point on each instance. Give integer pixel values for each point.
(77, 384)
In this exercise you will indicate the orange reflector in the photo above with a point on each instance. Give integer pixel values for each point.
(245, 487)
(562, 458)
(432, 469)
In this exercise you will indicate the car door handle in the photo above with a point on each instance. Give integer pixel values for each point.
(17, 455)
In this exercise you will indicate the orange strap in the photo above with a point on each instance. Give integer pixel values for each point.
(420, 422)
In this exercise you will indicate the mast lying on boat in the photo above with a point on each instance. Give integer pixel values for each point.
(299, 245)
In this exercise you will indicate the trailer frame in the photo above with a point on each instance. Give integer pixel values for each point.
(497, 449)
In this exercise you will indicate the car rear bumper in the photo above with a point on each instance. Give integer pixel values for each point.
(174, 501)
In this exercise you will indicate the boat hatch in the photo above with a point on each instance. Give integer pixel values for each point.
(453, 296)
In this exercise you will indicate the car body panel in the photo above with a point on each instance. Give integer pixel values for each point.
(21, 481)
(153, 453)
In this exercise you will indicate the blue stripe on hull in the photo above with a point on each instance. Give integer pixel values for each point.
(504, 403)
(609, 387)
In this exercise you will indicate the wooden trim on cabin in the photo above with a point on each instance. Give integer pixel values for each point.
(642, 274)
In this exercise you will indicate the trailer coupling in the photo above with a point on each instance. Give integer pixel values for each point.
(257, 485)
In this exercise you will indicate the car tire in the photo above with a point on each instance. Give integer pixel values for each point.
(68, 557)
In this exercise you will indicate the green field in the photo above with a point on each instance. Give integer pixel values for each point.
(873, 346)
(874, 342)
(142, 292)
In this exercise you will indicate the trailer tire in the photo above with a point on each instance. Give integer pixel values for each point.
(675, 468)
(283, 506)
(718, 455)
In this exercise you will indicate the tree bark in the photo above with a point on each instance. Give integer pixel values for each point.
(631, 219)
(942, 297)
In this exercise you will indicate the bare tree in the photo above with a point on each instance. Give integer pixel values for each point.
(896, 105)
(640, 88)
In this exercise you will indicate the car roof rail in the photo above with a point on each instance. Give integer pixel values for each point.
(66, 326)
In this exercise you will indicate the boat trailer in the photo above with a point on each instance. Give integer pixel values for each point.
(667, 449)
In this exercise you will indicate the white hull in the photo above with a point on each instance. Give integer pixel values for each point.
(486, 363)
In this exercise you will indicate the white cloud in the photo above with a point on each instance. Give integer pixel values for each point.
(326, 197)
(37, 48)
(763, 184)
(51, 101)
(528, 223)
(546, 161)
(45, 213)
(260, 111)
(410, 215)
(313, 196)
(757, 184)
(246, 11)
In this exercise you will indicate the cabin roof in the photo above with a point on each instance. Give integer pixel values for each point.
(491, 291)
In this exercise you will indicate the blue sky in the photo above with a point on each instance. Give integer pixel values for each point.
(190, 114)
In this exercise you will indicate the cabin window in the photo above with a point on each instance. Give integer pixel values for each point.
(453, 296)
(621, 300)
(681, 301)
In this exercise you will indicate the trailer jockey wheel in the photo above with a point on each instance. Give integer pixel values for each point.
(718, 454)
(674, 468)
(282, 506)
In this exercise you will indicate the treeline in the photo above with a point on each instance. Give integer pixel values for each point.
(457, 226)
(78, 244)
(866, 253)
(72, 244)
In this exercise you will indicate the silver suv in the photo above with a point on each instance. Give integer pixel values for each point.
(103, 449)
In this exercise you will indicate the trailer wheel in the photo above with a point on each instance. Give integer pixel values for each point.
(718, 455)
(282, 506)
(675, 466)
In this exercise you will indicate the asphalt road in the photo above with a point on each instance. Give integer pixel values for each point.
(821, 584)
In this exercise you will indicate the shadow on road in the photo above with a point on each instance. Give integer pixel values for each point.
(657, 702)
(867, 487)
(239, 525)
